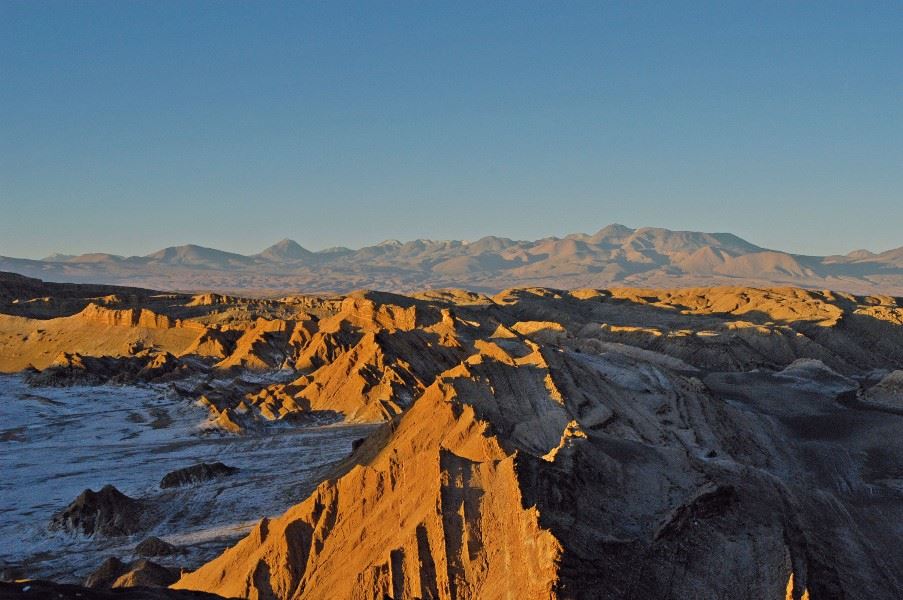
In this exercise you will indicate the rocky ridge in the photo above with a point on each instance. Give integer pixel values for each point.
(540, 443)
(613, 256)
(613, 444)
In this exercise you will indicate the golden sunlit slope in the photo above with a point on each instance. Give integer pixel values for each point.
(627, 443)
(534, 470)
(552, 462)
(41, 321)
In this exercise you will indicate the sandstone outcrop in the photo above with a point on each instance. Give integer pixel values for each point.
(887, 393)
(154, 546)
(109, 571)
(544, 443)
(196, 474)
(29, 590)
(143, 366)
(146, 573)
(107, 512)
(606, 445)
(114, 573)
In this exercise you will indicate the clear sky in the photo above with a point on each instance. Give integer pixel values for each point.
(129, 126)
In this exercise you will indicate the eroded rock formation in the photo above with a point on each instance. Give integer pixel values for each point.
(107, 512)
(196, 474)
(29, 590)
(702, 443)
(541, 443)
(154, 546)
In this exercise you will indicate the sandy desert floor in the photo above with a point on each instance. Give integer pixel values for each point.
(56, 442)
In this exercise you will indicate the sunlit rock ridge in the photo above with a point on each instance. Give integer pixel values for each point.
(614, 256)
(716, 442)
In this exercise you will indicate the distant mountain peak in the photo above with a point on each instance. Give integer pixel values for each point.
(616, 228)
(611, 233)
(285, 249)
(615, 255)
(335, 250)
(194, 255)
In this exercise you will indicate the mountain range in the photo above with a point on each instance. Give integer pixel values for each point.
(614, 256)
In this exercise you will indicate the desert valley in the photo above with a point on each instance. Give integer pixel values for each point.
(451, 300)
(713, 442)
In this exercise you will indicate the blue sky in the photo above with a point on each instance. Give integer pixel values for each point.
(130, 126)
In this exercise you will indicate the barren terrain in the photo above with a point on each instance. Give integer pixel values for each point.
(717, 442)
(613, 256)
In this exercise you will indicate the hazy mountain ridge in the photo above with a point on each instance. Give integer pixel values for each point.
(615, 255)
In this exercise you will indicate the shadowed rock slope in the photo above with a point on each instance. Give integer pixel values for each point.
(626, 443)
(29, 590)
(710, 443)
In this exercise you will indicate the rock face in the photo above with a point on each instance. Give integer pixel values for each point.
(108, 572)
(542, 443)
(29, 590)
(113, 573)
(107, 512)
(145, 573)
(887, 393)
(70, 369)
(142, 335)
(154, 546)
(635, 444)
(196, 474)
